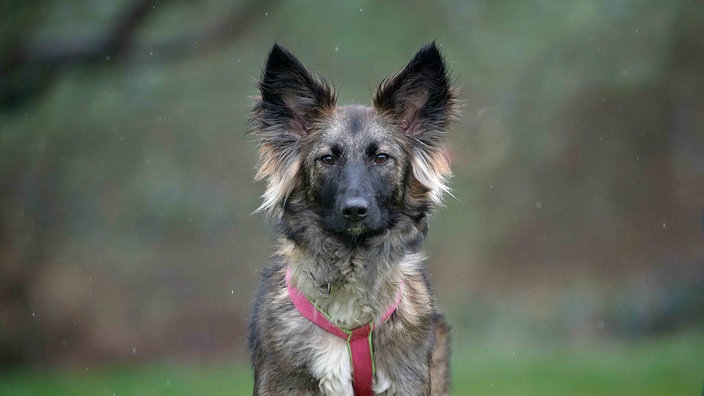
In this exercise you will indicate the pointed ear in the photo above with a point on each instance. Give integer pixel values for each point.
(291, 96)
(419, 97)
(421, 102)
(292, 100)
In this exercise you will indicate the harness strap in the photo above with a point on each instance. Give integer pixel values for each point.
(359, 340)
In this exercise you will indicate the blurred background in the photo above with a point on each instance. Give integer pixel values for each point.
(571, 260)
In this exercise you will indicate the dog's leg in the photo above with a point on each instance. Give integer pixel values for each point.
(440, 366)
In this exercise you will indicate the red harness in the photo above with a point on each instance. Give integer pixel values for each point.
(359, 340)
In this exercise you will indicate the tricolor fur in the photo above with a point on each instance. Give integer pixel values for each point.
(349, 189)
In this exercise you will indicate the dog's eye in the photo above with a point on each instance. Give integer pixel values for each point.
(381, 158)
(327, 160)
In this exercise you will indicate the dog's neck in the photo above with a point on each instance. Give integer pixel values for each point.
(353, 286)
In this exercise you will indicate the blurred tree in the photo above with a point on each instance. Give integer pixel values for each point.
(610, 179)
(28, 66)
(125, 186)
(32, 211)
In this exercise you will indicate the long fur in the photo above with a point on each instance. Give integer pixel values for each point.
(351, 269)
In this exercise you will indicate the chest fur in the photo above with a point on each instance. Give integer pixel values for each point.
(332, 367)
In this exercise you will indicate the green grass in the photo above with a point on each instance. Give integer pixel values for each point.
(143, 380)
(665, 366)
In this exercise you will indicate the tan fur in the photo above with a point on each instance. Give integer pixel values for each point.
(432, 171)
(281, 179)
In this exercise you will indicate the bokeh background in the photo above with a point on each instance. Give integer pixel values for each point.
(570, 260)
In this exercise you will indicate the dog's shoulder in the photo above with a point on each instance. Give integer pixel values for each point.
(272, 280)
(272, 276)
(272, 287)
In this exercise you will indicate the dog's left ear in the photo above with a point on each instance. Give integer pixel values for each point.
(419, 97)
(420, 101)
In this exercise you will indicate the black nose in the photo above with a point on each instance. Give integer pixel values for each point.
(355, 209)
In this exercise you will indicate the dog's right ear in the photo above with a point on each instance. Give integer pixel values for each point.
(292, 98)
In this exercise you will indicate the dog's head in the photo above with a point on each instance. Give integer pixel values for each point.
(356, 168)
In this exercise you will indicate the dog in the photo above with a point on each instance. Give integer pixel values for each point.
(346, 307)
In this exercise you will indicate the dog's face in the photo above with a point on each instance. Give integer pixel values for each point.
(355, 168)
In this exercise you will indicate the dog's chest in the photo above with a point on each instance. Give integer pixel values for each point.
(332, 367)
